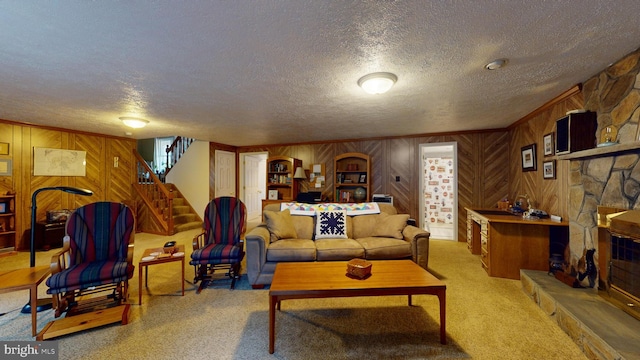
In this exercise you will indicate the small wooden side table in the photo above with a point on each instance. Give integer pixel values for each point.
(153, 260)
(25, 278)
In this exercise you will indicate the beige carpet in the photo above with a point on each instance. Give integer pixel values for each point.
(487, 318)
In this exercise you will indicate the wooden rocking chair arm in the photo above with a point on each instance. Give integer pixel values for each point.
(198, 241)
(130, 253)
(58, 260)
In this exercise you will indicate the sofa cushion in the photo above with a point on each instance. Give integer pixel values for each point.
(331, 224)
(280, 225)
(292, 250)
(391, 226)
(379, 248)
(304, 226)
(363, 225)
(338, 249)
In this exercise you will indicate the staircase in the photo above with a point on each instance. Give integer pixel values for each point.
(163, 209)
(184, 217)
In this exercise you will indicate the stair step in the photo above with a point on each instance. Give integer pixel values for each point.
(181, 209)
(184, 218)
(187, 226)
(178, 201)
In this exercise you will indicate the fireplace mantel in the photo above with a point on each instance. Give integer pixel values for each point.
(601, 151)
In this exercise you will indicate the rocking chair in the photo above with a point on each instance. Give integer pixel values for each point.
(220, 245)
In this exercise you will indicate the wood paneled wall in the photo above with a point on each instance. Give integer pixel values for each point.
(546, 194)
(107, 182)
(482, 158)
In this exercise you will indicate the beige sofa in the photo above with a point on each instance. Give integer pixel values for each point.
(292, 238)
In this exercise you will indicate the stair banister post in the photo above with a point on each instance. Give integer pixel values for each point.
(170, 206)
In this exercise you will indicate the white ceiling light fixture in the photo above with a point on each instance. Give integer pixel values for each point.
(496, 64)
(377, 83)
(134, 122)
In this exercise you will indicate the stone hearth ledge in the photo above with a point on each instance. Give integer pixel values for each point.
(599, 328)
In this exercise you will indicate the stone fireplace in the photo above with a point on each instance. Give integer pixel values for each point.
(611, 180)
(606, 176)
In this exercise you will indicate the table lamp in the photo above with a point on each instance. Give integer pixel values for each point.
(299, 175)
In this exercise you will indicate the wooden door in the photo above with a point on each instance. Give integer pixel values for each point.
(225, 173)
(254, 184)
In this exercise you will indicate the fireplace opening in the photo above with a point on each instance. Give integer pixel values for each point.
(624, 264)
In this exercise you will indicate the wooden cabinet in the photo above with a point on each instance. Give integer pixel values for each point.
(352, 174)
(7, 223)
(280, 170)
(507, 243)
(49, 236)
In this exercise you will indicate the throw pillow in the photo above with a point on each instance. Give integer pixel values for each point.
(391, 226)
(280, 225)
(331, 224)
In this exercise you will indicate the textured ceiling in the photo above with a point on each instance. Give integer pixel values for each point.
(271, 71)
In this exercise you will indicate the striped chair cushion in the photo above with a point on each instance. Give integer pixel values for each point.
(216, 254)
(89, 274)
(224, 220)
(99, 232)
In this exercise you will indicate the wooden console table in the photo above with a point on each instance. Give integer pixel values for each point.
(507, 243)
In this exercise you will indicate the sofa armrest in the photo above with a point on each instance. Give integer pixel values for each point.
(256, 242)
(419, 240)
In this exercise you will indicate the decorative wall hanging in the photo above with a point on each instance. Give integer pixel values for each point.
(5, 167)
(58, 162)
(529, 157)
(548, 142)
(549, 169)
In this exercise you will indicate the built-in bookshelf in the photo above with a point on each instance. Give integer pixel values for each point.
(352, 176)
(7, 223)
(280, 182)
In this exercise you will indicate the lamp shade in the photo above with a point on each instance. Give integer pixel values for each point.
(299, 174)
(377, 83)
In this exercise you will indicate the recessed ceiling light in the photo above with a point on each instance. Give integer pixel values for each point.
(377, 83)
(496, 64)
(134, 122)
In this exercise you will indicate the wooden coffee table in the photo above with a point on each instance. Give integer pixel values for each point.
(147, 259)
(328, 279)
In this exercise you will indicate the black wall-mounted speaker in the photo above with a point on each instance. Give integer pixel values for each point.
(576, 132)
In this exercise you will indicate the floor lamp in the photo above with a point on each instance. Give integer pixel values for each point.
(45, 304)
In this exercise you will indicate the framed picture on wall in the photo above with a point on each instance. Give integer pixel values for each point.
(549, 169)
(5, 167)
(528, 157)
(547, 140)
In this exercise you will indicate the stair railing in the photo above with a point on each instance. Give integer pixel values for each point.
(176, 150)
(154, 193)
